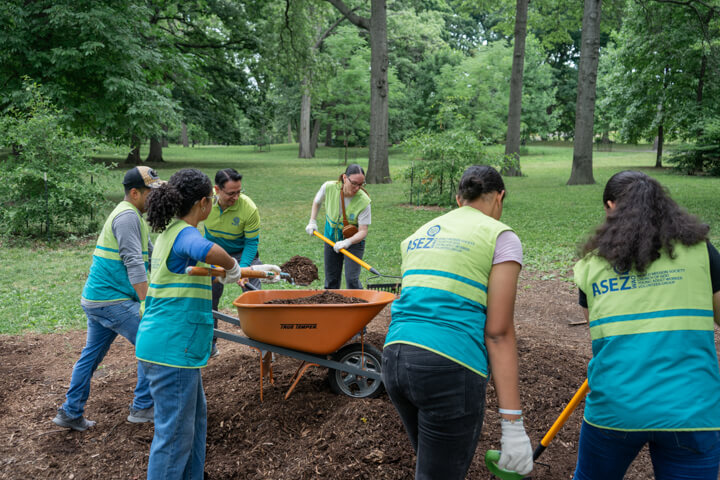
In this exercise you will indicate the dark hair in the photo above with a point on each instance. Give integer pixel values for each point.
(353, 169)
(139, 189)
(478, 180)
(225, 175)
(176, 197)
(645, 221)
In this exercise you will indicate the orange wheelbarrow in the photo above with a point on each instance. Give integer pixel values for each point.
(314, 334)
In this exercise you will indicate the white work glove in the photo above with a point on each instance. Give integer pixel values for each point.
(268, 268)
(311, 226)
(340, 244)
(232, 275)
(516, 453)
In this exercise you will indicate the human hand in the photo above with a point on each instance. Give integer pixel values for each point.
(340, 244)
(311, 226)
(232, 275)
(516, 453)
(268, 268)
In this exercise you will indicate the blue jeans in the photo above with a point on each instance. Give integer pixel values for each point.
(103, 325)
(178, 446)
(606, 454)
(334, 265)
(441, 404)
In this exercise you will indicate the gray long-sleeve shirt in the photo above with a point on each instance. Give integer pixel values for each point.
(126, 229)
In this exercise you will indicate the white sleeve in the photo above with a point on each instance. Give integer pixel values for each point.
(365, 217)
(320, 195)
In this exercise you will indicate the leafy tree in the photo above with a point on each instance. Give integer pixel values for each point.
(45, 152)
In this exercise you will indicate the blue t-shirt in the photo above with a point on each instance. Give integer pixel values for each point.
(190, 247)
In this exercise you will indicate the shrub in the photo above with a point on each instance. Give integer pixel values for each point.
(41, 147)
(442, 158)
(704, 155)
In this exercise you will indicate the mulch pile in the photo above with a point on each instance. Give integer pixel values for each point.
(320, 298)
(301, 269)
(314, 434)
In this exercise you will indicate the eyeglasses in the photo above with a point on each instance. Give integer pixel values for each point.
(232, 194)
(354, 184)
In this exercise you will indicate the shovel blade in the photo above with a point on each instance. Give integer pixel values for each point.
(491, 459)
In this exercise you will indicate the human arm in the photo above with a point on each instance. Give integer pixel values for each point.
(252, 239)
(126, 229)
(516, 453)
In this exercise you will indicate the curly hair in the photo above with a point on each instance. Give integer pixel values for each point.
(478, 180)
(644, 222)
(176, 197)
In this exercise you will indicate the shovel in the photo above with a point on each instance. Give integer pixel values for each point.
(347, 254)
(492, 456)
(245, 273)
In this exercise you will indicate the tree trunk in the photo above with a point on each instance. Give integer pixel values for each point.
(184, 135)
(660, 140)
(378, 167)
(328, 135)
(290, 138)
(512, 143)
(304, 147)
(165, 142)
(155, 154)
(133, 157)
(314, 136)
(582, 173)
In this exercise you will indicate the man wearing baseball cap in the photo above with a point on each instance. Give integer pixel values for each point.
(114, 290)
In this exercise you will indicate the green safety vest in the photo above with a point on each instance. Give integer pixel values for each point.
(446, 265)
(654, 364)
(333, 211)
(108, 278)
(232, 227)
(177, 327)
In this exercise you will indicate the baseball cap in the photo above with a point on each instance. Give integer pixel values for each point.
(142, 177)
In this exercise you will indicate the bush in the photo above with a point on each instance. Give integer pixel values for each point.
(41, 147)
(704, 155)
(442, 158)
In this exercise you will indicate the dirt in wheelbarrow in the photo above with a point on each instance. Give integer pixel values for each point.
(318, 299)
(314, 434)
(302, 270)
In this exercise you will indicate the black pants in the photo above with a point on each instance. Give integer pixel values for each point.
(334, 265)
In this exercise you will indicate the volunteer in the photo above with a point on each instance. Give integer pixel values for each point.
(175, 335)
(115, 286)
(649, 282)
(347, 217)
(234, 224)
(452, 326)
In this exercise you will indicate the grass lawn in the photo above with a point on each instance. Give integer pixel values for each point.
(40, 284)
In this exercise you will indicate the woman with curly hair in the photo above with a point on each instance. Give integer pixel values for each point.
(175, 334)
(649, 282)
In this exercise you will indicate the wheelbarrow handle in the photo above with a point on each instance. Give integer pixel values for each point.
(220, 272)
(346, 253)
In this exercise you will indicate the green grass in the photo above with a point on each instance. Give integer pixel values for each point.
(40, 285)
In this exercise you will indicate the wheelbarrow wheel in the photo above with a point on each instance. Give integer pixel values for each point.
(354, 385)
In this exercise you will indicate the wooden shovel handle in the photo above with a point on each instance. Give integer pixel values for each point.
(220, 272)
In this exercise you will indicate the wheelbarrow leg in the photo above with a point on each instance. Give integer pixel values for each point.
(265, 369)
(298, 374)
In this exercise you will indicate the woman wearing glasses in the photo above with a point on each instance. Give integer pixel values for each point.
(347, 217)
(234, 224)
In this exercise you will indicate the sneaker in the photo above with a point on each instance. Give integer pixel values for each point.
(141, 416)
(214, 352)
(80, 423)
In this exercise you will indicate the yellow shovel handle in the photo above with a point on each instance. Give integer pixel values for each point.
(576, 399)
(345, 252)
